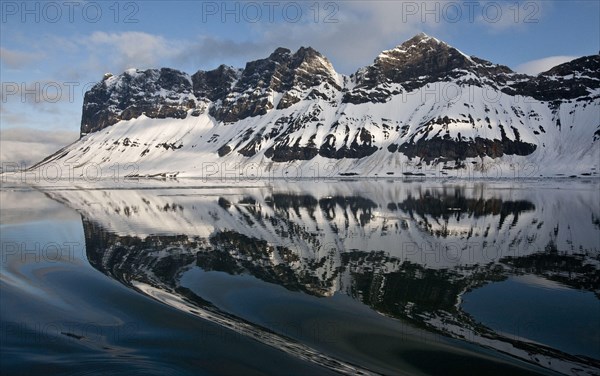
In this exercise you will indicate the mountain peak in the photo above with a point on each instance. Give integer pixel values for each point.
(310, 59)
(420, 56)
(422, 37)
(280, 54)
(307, 53)
(586, 65)
(419, 61)
(420, 44)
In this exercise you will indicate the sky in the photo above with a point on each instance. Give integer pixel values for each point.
(51, 52)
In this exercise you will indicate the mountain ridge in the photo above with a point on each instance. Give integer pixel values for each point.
(294, 107)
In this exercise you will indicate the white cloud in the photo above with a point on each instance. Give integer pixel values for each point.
(41, 93)
(356, 33)
(131, 49)
(17, 59)
(541, 65)
(343, 40)
(362, 31)
(28, 146)
(208, 52)
(502, 16)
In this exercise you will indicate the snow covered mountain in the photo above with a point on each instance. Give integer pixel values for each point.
(423, 108)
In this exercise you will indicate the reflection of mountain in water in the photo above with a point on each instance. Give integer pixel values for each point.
(442, 208)
(408, 252)
(317, 242)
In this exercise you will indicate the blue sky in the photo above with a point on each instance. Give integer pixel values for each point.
(52, 51)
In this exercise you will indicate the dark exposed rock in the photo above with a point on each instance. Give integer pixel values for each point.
(281, 72)
(416, 63)
(360, 147)
(240, 94)
(214, 84)
(134, 93)
(251, 148)
(287, 100)
(570, 80)
(424, 60)
(458, 150)
(291, 153)
(170, 146)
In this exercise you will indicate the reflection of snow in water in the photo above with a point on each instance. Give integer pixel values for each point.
(419, 222)
(327, 235)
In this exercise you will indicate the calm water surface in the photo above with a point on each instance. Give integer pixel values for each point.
(383, 277)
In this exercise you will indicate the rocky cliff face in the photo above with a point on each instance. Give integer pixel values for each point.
(423, 103)
(289, 75)
(424, 60)
(420, 61)
(164, 93)
(575, 79)
(169, 93)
